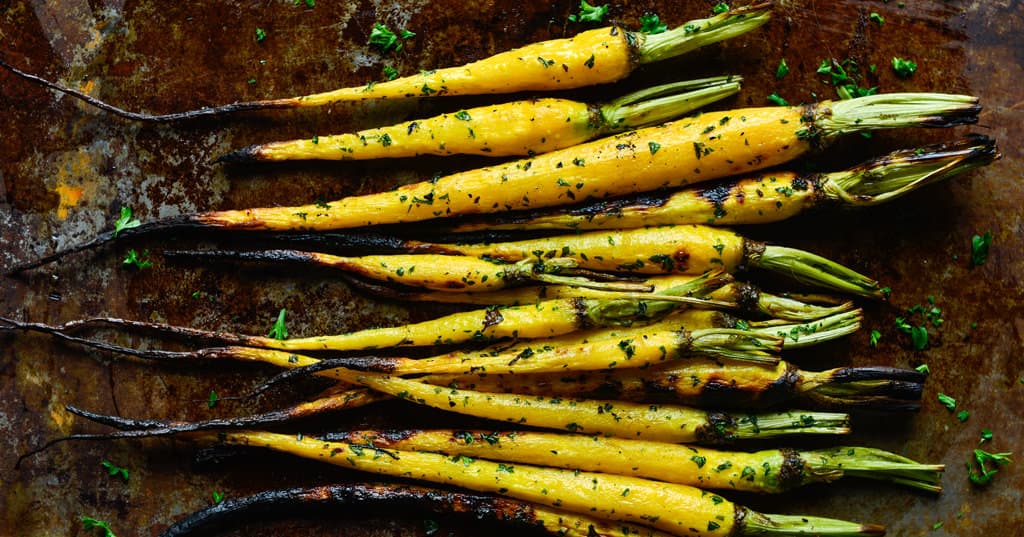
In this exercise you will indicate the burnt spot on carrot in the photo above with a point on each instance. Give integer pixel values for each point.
(720, 429)
(718, 194)
(791, 473)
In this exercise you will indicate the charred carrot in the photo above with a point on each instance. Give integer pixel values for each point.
(677, 509)
(715, 384)
(768, 197)
(516, 128)
(450, 273)
(682, 152)
(539, 320)
(746, 296)
(591, 57)
(768, 471)
(405, 499)
(689, 249)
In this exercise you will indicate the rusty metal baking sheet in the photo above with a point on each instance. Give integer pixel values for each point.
(65, 169)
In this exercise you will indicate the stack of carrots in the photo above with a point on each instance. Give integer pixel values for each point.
(614, 309)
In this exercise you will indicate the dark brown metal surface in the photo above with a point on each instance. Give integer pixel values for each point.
(66, 169)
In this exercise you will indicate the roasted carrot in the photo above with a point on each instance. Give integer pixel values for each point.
(539, 320)
(677, 509)
(682, 152)
(516, 128)
(710, 383)
(450, 273)
(591, 57)
(768, 471)
(748, 297)
(769, 197)
(689, 249)
(387, 499)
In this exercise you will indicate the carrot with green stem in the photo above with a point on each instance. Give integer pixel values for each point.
(690, 150)
(709, 383)
(448, 273)
(592, 57)
(748, 297)
(681, 510)
(688, 249)
(768, 197)
(509, 129)
(768, 471)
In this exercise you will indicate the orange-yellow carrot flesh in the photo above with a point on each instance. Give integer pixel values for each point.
(690, 249)
(516, 128)
(689, 150)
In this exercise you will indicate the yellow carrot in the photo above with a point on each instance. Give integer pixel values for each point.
(516, 128)
(592, 57)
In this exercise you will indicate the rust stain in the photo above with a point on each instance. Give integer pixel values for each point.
(70, 196)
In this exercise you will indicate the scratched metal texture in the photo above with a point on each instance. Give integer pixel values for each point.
(65, 169)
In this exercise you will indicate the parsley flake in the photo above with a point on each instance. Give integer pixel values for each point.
(279, 330)
(720, 8)
(125, 221)
(113, 470)
(947, 401)
(91, 523)
(782, 70)
(903, 68)
(589, 13)
(979, 248)
(776, 100)
(140, 262)
(650, 23)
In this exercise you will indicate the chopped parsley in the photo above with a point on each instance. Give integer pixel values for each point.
(843, 76)
(963, 415)
(589, 13)
(211, 401)
(923, 368)
(947, 401)
(91, 523)
(986, 436)
(654, 147)
(782, 70)
(876, 18)
(279, 330)
(113, 470)
(903, 68)
(309, 3)
(983, 457)
(720, 8)
(261, 34)
(650, 23)
(390, 73)
(125, 221)
(382, 37)
(776, 100)
(140, 262)
(875, 336)
(218, 496)
(979, 248)
(463, 115)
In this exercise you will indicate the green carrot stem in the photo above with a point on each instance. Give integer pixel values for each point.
(813, 269)
(702, 32)
(898, 173)
(892, 110)
(760, 524)
(661, 103)
(870, 463)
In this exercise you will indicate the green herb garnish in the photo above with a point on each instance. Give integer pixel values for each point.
(782, 70)
(650, 23)
(979, 248)
(217, 496)
(776, 100)
(140, 262)
(983, 457)
(383, 37)
(261, 34)
(279, 330)
(390, 73)
(720, 8)
(876, 18)
(947, 401)
(113, 470)
(875, 336)
(125, 221)
(963, 415)
(91, 523)
(589, 13)
(211, 401)
(923, 368)
(903, 68)
(986, 436)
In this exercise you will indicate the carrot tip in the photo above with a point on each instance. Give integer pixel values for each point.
(240, 156)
